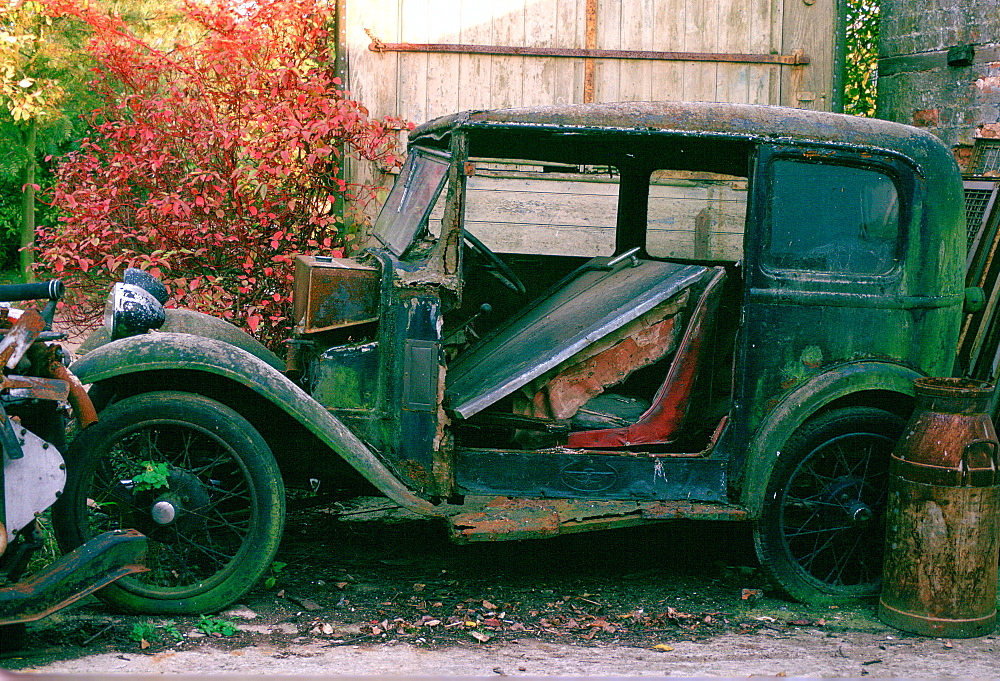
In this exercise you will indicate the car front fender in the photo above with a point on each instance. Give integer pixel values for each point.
(803, 403)
(167, 351)
(179, 320)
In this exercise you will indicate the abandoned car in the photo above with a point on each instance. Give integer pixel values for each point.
(568, 318)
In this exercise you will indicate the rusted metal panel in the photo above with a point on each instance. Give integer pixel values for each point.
(585, 375)
(20, 337)
(513, 518)
(331, 293)
(197, 324)
(96, 564)
(590, 33)
(34, 387)
(709, 119)
(167, 351)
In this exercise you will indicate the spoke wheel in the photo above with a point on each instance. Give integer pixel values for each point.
(195, 478)
(822, 527)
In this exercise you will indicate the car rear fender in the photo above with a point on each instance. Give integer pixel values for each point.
(807, 401)
(169, 351)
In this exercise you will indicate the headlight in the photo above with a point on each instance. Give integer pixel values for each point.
(132, 310)
(147, 282)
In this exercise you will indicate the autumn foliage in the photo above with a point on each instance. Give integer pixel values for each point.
(212, 164)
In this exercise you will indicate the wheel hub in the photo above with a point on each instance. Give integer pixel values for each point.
(164, 512)
(181, 503)
(845, 493)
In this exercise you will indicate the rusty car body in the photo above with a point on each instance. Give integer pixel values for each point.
(579, 317)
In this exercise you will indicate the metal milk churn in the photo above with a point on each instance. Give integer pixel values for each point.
(943, 515)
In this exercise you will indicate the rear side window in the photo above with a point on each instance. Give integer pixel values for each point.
(832, 218)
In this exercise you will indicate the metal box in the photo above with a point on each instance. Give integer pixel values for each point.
(331, 293)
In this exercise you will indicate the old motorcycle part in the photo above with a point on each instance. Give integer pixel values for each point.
(32, 482)
(102, 560)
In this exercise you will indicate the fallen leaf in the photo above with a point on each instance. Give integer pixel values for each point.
(800, 623)
(341, 585)
(751, 594)
(947, 644)
(765, 618)
(143, 643)
(471, 623)
(480, 636)
(492, 622)
(432, 623)
(419, 587)
(663, 647)
(306, 603)
(489, 606)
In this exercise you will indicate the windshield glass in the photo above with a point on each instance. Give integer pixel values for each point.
(405, 212)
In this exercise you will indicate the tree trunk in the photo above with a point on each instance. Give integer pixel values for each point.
(27, 254)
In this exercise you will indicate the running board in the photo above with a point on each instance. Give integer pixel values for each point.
(500, 518)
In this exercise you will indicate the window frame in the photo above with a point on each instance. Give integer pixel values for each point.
(897, 170)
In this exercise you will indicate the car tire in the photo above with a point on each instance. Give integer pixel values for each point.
(821, 530)
(213, 527)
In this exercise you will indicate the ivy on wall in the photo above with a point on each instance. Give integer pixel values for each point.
(861, 61)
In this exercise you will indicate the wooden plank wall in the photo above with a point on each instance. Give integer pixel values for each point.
(422, 86)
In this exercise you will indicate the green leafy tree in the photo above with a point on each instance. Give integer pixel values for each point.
(42, 88)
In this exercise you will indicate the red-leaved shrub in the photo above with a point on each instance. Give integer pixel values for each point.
(213, 164)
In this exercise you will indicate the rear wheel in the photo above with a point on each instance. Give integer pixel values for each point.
(193, 476)
(822, 526)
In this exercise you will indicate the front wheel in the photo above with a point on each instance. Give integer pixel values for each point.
(193, 476)
(822, 527)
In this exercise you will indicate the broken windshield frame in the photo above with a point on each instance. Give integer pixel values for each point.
(409, 203)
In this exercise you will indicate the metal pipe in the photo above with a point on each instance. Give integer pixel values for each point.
(575, 52)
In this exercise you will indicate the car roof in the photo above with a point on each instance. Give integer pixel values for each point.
(748, 122)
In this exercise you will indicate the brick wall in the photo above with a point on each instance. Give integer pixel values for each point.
(940, 68)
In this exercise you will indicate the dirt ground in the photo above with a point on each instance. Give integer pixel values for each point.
(384, 594)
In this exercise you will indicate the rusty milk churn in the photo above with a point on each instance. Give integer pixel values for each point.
(943, 515)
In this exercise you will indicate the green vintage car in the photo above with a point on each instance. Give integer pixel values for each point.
(568, 318)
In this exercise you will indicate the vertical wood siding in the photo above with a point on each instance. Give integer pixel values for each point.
(419, 87)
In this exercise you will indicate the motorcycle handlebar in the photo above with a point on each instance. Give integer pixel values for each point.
(42, 290)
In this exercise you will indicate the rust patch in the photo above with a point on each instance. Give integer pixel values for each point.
(514, 518)
(415, 472)
(637, 344)
(926, 118)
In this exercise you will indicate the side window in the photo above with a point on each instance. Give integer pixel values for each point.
(697, 216)
(556, 209)
(832, 218)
